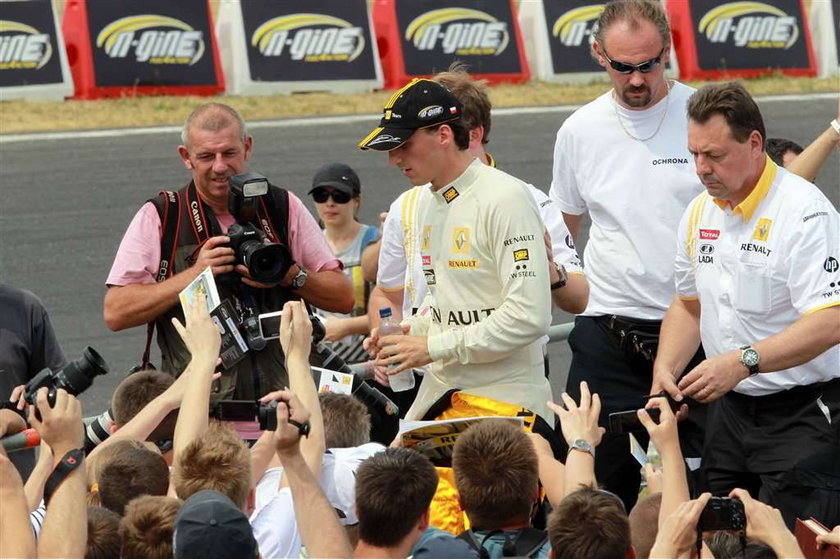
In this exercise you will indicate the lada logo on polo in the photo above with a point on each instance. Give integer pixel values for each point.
(707, 248)
(460, 31)
(23, 47)
(752, 25)
(578, 25)
(152, 38)
(310, 37)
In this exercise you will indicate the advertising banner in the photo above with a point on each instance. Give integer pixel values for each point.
(33, 63)
(422, 37)
(142, 46)
(570, 26)
(270, 47)
(558, 37)
(742, 38)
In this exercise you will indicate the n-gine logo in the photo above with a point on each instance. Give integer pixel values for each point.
(152, 38)
(752, 25)
(310, 37)
(459, 31)
(23, 47)
(578, 25)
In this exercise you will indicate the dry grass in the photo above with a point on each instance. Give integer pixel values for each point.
(23, 116)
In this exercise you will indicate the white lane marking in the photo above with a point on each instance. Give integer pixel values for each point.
(330, 120)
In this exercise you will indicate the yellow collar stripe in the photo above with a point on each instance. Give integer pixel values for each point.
(748, 206)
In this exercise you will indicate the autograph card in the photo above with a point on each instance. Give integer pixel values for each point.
(205, 284)
(637, 451)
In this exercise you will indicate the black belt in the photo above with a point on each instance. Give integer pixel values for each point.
(618, 323)
(790, 397)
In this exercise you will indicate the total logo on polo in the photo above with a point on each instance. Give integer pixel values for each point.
(152, 38)
(22, 47)
(752, 25)
(459, 31)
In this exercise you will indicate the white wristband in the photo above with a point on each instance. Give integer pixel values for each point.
(836, 126)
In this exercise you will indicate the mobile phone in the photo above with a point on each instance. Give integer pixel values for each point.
(722, 513)
(628, 421)
(270, 325)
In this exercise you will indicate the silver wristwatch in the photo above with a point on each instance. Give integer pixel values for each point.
(583, 446)
(750, 358)
(300, 278)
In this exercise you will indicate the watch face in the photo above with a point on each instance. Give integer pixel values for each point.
(300, 279)
(582, 445)
(749, 357)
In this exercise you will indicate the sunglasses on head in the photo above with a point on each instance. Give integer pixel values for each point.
(320, 195)
(645, 67)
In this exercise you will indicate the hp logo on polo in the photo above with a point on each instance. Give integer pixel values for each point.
(831, 265)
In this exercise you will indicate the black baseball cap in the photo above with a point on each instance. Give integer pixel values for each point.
(419, 104)
(211, 526)
(339, 176)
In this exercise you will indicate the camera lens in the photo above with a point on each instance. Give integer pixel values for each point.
(267, 263)
(78, 375)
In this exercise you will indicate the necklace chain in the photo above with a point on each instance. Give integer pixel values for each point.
(658, 126)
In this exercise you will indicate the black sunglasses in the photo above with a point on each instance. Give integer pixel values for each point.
(320, 195)
(644, 67)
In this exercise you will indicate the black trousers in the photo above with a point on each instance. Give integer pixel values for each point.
(783, 448)
(622, 380)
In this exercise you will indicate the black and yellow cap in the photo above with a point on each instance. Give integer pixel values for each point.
(419, 104)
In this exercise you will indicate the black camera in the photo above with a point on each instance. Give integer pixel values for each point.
(628, 421)
(246, 410)
(266, 262)
(722, 513)
(75, 377)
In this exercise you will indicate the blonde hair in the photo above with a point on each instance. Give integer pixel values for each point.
(217, 460)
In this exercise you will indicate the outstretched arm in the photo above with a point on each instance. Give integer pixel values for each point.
(807, 165)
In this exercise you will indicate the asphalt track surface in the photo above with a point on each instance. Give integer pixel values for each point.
(66, 204)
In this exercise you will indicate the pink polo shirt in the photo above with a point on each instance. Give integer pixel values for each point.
(138, 257)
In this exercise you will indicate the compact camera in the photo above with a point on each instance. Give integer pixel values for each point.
(247, 410)
(722, 513)
(75, 377)
(266, 262)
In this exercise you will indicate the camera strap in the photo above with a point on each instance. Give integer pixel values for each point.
(69, 462)
(182, 211)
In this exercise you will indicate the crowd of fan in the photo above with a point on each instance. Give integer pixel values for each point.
(317, 482)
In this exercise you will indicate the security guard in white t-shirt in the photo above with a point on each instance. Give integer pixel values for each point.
(758, 283)
(622, 160)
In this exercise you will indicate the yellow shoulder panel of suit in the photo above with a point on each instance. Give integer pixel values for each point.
(697, 206)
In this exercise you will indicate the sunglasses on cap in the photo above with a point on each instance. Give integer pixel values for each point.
(320, 195)
(645, 67)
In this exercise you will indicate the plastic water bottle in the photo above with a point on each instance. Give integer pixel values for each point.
(390, 327)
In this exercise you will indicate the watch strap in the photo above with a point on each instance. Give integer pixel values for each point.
(69, 462)
(836, 126)
(564, 277)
